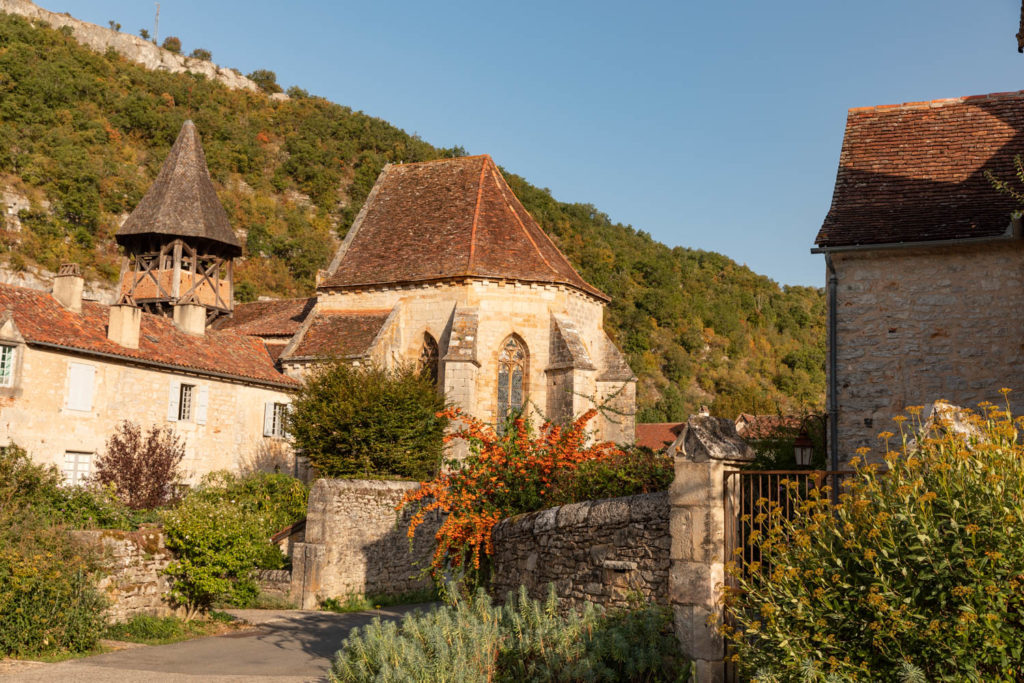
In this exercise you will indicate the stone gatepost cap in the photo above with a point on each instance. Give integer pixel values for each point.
(707, 438)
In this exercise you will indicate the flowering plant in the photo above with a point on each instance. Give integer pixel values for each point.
(916, 573)
(503, 475)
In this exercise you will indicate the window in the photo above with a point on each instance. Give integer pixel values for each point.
(185, 401)
(511, 374)
(77, 467)
(428, 358)
(80, 386)
(188, 402)
(6, 365)
(273, 419)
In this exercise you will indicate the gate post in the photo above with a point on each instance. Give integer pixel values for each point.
(709, 447)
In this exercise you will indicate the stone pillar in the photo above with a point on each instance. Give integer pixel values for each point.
(308, 560)
(709, 447)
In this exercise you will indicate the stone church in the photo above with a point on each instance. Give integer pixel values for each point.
(445, 267)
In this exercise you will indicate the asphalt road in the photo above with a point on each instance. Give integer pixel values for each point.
(284, 646)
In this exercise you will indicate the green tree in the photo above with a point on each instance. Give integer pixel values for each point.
(172, 44)
(200, 53)
(265, 79)
(369, 422)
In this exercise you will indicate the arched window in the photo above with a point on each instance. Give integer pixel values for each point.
(511, 378)
(428, 357)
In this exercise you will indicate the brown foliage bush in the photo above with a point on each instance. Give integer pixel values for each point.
(144, 468)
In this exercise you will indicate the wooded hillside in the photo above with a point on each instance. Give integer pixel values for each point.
(82, 135)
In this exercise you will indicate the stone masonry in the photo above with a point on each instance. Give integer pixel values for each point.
(923, 324)
(604, 551)
(133, 563)
(356, 543)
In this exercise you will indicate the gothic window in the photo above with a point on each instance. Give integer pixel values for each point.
(511, 379)
(428, 357)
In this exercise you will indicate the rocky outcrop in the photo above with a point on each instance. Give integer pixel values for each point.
(131, 47)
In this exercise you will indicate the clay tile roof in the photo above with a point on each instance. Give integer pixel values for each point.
(339, 334)
(756, 427)
(182, 202)
(42, 320)
(277, 318)
(658, 435)
(446, 219)
(915, 172)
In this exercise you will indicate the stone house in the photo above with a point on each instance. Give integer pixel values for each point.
(71, 370)
(445, 267)
(925, 263)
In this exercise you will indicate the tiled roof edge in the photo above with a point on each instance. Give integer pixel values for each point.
(462, 279)
(942, 102)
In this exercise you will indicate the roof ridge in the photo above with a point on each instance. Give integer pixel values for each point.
(476, 215)
(508, 207)
(444, 159)
(926, 104)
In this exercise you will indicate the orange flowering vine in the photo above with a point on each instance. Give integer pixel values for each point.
(503, 475)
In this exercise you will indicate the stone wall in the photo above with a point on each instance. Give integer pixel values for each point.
(918, 325)
(274, 583)
(133, 563)
(597, 551)
(356, 544)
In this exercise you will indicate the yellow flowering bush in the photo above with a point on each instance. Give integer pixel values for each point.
(916, 573)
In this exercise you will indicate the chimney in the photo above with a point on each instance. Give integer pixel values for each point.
(124, 323)
(68, 285)
(190, 318)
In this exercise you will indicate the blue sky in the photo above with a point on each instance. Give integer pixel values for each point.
(713, 125)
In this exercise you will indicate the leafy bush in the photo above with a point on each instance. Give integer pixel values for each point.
(200, 53)
(502, 476)
(143, 628)
(916, 573)
(265, 79)
(221, 534)
(369, 422)
(633, 471)
(172, 44)
(142, 469)
(47, 598)
(525, 640)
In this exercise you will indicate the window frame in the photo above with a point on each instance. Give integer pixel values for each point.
(186, 402)
(10, 353)
(77, 477)
(509, 363)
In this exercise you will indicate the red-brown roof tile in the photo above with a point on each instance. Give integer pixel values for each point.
(756, 427)
(42, 320)
(658, 435)
(446, 219)
(277, 318)
(338, 334)
(915, 172)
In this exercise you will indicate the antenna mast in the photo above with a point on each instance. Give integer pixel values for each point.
(156, 25)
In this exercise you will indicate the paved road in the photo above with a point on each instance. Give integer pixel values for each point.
(284, 647)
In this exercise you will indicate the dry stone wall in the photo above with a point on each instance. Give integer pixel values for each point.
(133, 571)
(356, 544)
(597, 551)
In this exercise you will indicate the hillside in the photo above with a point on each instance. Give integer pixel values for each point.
(82, 135)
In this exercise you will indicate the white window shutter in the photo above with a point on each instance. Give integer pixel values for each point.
(203, 401)
(268, 418)
(172, 401)
(81, 379)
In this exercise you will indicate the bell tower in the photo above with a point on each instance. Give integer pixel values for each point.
(179, 246)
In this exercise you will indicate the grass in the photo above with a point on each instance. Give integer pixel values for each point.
(360, 603)
(164, 630)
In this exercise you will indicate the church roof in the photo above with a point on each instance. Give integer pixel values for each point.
(446, 219)
(42, 321)
(915, 172)
(336, 334)
(182, 202)
(275, 318)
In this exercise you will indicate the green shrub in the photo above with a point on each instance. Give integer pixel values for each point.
(221, 534)
(369, 422)
(525, 640)
(172, 44)
(143, 628)
(914, 574)
(635, 470)
(266, 80)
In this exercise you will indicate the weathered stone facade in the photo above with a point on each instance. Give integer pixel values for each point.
(133, 564)
(34, 413)
(606, 552)
(915, 325)
(572, 365)
(356, 543)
